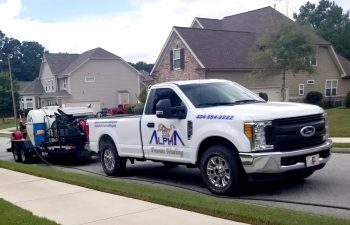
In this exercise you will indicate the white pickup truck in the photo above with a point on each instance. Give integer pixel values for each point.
(227, 131)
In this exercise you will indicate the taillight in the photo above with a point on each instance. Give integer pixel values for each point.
(87, 131)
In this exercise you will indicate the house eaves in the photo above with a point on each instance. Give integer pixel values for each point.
(196, 21)
(343, 73)
(161, 56)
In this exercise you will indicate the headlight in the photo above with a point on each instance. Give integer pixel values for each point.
(255, 132)
(324, 116)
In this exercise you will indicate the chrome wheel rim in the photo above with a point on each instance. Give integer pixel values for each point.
(218, 171)
(108, 159)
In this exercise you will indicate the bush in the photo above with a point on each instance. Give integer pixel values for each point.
(135, 108)
(347, 100)
(314, 97)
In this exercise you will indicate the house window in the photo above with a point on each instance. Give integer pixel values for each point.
(49, 86)
(65, 83)
(301, 89)
(90, 78)
(176, 59)
(310, 81)
(29, 103)
(331, 87)
(49, 102)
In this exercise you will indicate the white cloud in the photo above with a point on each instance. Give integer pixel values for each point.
(138, 34)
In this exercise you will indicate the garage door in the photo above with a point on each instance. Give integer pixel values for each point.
(96, 106)
(274, 93)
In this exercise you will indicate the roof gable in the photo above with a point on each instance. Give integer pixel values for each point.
(218, 49)
(64, 63)
(31, 87)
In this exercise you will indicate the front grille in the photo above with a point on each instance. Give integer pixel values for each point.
(285, 135)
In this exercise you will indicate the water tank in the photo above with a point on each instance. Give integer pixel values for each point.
(40, 120)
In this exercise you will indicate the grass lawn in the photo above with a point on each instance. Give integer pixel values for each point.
(339, 122)
(219, 207)
(7, 122)
(11, 214)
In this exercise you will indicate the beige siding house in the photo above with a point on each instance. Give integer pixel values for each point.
(213, 48)
(95, 77)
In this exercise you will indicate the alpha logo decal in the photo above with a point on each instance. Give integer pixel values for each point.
(166, 136)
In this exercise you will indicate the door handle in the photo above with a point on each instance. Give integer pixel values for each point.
(150, 125)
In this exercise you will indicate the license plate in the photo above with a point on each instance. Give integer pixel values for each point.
(312, 160)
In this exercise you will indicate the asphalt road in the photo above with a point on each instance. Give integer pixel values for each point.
(328, 187)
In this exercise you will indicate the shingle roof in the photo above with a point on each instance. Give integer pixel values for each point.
(260, 21)
(345, 64)
(58, 62)
(96, 53)
(218, 49)
(213, 24)
(31, 87)
(64, 63)
(62, 93)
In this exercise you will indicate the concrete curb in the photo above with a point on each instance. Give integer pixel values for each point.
(341, 150)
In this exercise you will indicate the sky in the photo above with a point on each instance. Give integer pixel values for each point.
(135, 30)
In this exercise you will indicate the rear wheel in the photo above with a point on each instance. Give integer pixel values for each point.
(26, 155)
(221, 170)
(112, 163)
(16, 152)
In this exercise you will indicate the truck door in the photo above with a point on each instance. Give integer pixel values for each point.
(164, 139)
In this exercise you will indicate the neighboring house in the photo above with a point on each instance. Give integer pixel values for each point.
(146, 79)
(213, 48)
(30, 92)
(95, 77)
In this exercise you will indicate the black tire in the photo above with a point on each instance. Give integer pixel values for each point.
(26, 156)
(170, 164)
(221, 170)
(112, 163)
(16, 152)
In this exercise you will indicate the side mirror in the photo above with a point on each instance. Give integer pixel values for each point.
(165, 110)
(264, 96)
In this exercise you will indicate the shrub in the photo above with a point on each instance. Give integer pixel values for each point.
(347, 100)
(138, 109)
(129, 108)
(314, 97)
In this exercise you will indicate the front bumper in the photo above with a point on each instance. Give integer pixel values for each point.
(280, 162)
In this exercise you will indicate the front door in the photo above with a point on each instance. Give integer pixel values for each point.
(164, 139)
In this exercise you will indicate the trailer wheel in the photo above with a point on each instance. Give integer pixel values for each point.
(221, 170)
(16, 152)
(26, 156)
(112, 163)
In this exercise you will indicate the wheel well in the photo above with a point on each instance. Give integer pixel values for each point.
(104, 138)
(215, 140)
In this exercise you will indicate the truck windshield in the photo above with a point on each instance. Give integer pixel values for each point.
(218, 94)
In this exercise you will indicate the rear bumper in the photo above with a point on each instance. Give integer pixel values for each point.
(281, 162)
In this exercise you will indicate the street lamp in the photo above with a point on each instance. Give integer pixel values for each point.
(12, 92)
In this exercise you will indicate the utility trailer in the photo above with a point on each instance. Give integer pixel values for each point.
(51, 131)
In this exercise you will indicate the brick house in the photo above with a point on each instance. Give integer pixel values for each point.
(221, 48)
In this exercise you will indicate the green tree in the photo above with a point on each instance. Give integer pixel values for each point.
(289, 49)
(142, 66)
(6, 106)
(25, 57)
(329, 21)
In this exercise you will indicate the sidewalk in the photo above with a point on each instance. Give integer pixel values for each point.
(70, 204)
(7, 130)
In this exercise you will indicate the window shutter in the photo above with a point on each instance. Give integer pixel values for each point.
(171, 60)
(182, 58)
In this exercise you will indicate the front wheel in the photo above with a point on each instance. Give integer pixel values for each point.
(112, 163)
(221, 170)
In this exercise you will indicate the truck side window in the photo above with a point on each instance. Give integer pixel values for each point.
(163, 93)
